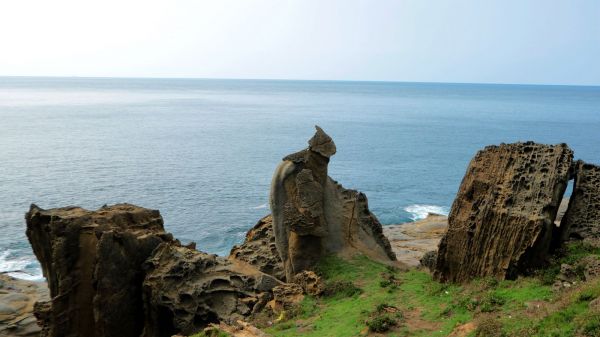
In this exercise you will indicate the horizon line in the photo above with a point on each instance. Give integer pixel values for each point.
(290, 80)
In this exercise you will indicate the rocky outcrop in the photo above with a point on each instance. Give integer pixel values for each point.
(17, 299)
(412, 240)
(259, 249)
(93, 263)
(314, 215)
(502, 219)
(582, 219)
(311, 283)
(185, 290)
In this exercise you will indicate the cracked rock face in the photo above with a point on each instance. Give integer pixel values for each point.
(502, 220)
(313, 215)
(93, 263)
(582, 219)
(185, 290)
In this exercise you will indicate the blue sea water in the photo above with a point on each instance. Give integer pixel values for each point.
(203, 151)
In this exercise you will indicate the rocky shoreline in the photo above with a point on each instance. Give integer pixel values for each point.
(116, 272)
(17, 300)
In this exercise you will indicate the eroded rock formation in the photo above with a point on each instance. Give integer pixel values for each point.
(93, 263)
(502, 219)
(582, 218)
(259, 249)
(314, 215)
(185, 290)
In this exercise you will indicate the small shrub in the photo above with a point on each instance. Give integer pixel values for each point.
(491, 282)
(381, 323)
(466, 303)
(341, 289)
(548, 275)
(591, 327)
(489, 327)
(491, 303)
(586, 296)
(385, 283)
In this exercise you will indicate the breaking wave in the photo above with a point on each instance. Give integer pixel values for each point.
(419, 212)
(21, 267)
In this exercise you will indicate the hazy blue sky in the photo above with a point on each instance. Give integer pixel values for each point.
(506, 41)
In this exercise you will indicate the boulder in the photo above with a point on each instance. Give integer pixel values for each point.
(286, 297)
(502, 220)
(93, 263)
(429, 260)
(313, 215)
(259, 249)
(311, 283)
(185, 290)
(590, 265)
(582, 218)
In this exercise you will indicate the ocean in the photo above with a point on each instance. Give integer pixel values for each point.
(203, 151)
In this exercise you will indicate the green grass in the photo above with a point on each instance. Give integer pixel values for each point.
(348, 315)
(360, 288)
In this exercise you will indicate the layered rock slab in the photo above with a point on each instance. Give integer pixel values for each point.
(93, 263)
(313, 215)
(185, 290)
(502, 219)
(17, 299)
(582, 218)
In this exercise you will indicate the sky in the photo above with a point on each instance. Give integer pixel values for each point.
(474, 41)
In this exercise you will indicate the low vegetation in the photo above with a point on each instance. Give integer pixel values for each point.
(366, 298)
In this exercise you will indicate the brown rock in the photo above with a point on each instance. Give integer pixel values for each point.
(93, 263)
(313, 215)
(259, 249)
(185, 290)
(501, 221)
(590, 266)
(17, 299)
(311, 283)
(240, 329)
(429, 260)
(286, 296)
(582, 218)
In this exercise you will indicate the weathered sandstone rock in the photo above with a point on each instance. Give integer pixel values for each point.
(314, 215)
(93, 263)
(502, 219)
(259, 249)
(311, 283)
(582, 219)
(185, 290)
(286, 296)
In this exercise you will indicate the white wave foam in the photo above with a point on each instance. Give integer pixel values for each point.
(419, 212)
(261, 206)
(21, 267)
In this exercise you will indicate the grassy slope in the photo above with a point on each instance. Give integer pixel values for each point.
(524, 307)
